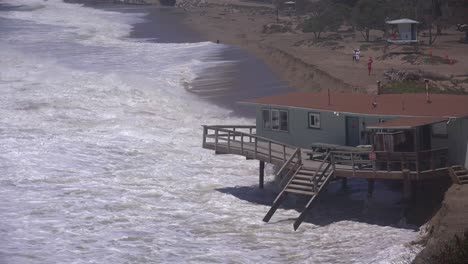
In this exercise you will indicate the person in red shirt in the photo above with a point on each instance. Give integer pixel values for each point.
(369, 65)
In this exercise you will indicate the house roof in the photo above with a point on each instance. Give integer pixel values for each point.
(402, 21)
(407, 122)
(413, 105)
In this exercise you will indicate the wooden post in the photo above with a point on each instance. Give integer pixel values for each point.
(332, 159)
(403, 161)
(269, 149)
(229, 141)
(261, 174)
(374, 166)
(216, 140)
(344, 183)
(242, 145)
(431, 160)
(414, 190)
(406, 186)
(205, 131)
(234, 130)
(370, 187)
(284, 153)
(416, 149)
(388, 160)
(256, 147)
(250, 133)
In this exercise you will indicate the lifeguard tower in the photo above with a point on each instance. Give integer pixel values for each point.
(403, 32)
(290, 7)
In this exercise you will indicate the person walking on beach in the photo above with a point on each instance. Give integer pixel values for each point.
(358, 55)
(369, 65)
(354, 55)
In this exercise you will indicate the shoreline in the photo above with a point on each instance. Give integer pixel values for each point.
(313, 65)
(236, 74)
(291, 68)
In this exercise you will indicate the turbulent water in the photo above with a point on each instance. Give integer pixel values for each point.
(101, 159)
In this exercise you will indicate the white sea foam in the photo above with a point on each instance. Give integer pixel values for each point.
(101, 159)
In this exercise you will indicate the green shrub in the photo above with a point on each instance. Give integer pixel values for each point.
(396, 87)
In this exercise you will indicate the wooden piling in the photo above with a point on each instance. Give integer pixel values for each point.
(261, 174)
(407, 189)
(370, 187)
(344, 183)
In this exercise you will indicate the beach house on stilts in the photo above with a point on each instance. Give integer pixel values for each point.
(316, 137)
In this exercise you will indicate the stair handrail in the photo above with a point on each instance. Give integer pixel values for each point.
(297, 153)
(302, 216)
(453, 176)
(314, 178)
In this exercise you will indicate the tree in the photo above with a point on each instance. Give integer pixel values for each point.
(370, 14)
(434, 19)
(324, 16)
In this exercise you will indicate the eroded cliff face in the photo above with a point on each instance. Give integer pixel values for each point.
(130, 2)
(302, 74)
(450, 220)
(167, 2)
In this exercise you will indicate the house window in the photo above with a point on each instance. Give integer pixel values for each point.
(275, 121)
(284, 120)
(439, 130)
(314, 120)
(266, 118)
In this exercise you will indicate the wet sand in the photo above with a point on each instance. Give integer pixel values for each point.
(241, 76)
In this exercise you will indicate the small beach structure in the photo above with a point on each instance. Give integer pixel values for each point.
(314, 138)
(290, 5)
(404, 31)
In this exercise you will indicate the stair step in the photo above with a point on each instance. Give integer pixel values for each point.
(464, 182)
(458, 167)
(304, 176)
(461, 172)
(300, 192)
(308, 173)
(300, 187)
(463, 177)
(312, 169)
(305, 182)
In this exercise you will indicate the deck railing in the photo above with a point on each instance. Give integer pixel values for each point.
(393, 161)
(242, 140)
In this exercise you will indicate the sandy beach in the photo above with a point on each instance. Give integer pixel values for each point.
(327, 64)
(241, 76)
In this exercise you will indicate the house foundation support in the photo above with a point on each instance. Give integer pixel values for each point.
(261, 174)
(407, 186)
(370, 187)
(344, 183)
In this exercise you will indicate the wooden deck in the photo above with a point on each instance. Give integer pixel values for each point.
(309, 176)
(241, 140)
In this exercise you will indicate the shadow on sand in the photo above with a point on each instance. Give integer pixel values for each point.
(335, 203)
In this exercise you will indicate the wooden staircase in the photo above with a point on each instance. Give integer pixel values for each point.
(459, 174)
(304, 181)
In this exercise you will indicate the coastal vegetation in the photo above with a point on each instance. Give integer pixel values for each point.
(325, 16)
(367, 15)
